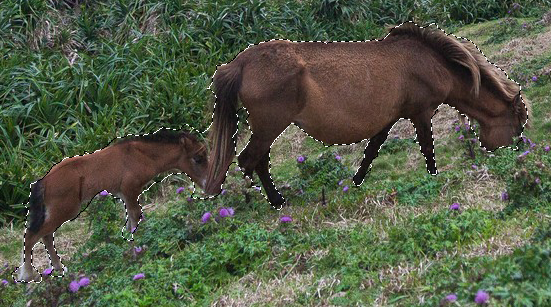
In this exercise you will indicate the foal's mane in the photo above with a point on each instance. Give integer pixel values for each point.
(162, 136)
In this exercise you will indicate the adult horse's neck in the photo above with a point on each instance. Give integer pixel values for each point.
(483, 108)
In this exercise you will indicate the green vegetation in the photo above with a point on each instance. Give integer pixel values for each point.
(73, 78)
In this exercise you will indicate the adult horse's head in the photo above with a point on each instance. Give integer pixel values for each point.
(505, 122)
(495, 102)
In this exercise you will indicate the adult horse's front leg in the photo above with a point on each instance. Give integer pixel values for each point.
(370, 153)
(423, 128)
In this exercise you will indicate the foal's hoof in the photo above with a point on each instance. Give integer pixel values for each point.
(27, 276)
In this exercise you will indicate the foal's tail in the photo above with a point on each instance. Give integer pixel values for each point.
(36, 207)
(227, 83)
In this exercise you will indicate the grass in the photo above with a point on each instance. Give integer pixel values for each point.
(75, 78)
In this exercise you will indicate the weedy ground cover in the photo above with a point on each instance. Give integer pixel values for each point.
(73, 78)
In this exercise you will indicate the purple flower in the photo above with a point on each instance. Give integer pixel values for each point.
(206, 217)
(474, 166)
(189, 199)
(340, 182)
(133, 230)
(537, 180)
(4, 282)
(504, 196)
(451, 298)
(481, 297)
(230, 211)
(224, 212)
(301, 159)
(524, 140)
(139, 276)
(345, 188)
(103, 193)
(509, 12)
(180, 190)
(525, 153)
(138, 249)
(467, 127)
(461, 137)
(74, 286)
(534, 78)
(454, 206)
(223, 192)
(524, 25)
(338, 158)
(47, 271)
(457, 128)
(286, 219)
(84, 282)
(547, 148)
(258, 188)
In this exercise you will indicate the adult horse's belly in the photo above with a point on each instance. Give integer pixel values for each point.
(338, 126)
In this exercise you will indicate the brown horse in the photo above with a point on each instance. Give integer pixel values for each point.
(342, 93)
(123, 169)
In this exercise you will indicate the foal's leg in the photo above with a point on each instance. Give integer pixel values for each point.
(262, 169)
(370, 153)
(27, 272)
(133, 209)
(48, 241)
(423, 128)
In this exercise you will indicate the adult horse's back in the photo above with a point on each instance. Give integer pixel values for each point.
(343, 93)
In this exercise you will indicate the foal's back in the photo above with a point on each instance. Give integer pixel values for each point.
(80, 178)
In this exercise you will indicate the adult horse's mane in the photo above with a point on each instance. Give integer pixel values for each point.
(450, 48)
(163, 136)
(479, 67)
(466, 54)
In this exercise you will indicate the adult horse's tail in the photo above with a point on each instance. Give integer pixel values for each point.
(36, 207)
(227, 83)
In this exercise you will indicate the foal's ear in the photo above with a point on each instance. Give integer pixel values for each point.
(185, 141)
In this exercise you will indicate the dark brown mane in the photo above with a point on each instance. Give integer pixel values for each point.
(466, 54)
(164, 136)
(492, 76)
(448, 46)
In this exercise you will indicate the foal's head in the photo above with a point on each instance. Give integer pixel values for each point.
(193, 159)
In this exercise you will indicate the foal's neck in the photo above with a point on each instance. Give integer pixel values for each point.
(162, 157)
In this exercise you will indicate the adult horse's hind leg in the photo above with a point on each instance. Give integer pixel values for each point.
(370, 153)
(48, 241)
(255, 156)
(262, 169)
(423, 128)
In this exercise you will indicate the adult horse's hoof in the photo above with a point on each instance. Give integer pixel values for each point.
(358, 179)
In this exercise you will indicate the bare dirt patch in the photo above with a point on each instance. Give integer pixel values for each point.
(520, 49)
